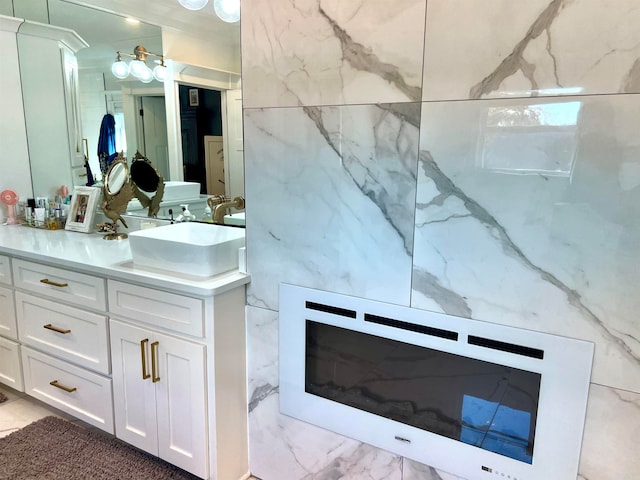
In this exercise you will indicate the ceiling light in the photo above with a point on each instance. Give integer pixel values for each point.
(227, 10)
(138, 67)
(193, 4)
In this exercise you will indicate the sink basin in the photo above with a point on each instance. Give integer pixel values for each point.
(174, 190)
(234, 219)
(198, 249)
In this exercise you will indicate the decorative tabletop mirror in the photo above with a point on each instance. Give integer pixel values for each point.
(145, 177)
(117, 192)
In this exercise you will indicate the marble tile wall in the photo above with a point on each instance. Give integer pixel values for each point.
(473, 157)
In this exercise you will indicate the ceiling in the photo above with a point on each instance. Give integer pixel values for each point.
(102, 24)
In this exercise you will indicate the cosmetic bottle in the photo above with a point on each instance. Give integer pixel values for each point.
(58, 218)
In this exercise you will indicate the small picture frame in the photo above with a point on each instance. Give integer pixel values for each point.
(83, 209)
(194, 99)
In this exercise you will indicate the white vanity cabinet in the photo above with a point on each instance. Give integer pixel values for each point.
(156, 359)
(10, 363)
(178, 364)
(160, 395)
(63, 332)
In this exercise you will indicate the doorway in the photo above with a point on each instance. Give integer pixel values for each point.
(200, 118)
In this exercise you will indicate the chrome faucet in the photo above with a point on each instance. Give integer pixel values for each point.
(221, 209)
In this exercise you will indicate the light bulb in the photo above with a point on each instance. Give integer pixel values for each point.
(227, 10)
(120, 69)
(137, 68)
(146, 76)
(193, 4)
(160, 73)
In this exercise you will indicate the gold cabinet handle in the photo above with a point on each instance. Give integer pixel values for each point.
(154, 362)
(143, 353)
(64, 331)
(55, 284)
(62, 387)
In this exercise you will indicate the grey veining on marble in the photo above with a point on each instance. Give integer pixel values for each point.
(262, 355)
(543, 47)
(303, 451)
(320, 52)
(526, 216)
(416, 471)
(345, 180)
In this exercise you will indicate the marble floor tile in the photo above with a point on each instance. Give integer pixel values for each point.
(20, 410)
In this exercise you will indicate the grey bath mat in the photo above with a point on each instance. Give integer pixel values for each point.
(55, 449)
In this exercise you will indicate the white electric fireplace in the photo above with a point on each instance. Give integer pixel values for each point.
(476, 399)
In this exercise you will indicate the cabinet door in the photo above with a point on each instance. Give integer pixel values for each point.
(10, 364)
(8, 326)
(71, 94)
(133, 395)
(181, 395)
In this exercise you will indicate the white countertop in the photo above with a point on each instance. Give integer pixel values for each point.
(90, 253)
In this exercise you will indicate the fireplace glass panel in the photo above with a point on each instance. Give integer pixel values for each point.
(488, 405)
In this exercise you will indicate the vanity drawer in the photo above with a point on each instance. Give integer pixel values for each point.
(10, 364)
(72, 389)
(62, 285)
(67, 332)
(7, 314)
(5, 270)
(162, 309)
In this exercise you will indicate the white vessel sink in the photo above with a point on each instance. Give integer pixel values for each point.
(234, 219)
(174, 190)
(199, 249)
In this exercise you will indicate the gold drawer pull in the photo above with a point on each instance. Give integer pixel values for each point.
(143, 352)
(62, 387)
(154, 362)
(56, 329)
(55, 284)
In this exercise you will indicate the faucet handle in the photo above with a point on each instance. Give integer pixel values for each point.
(238, 202)
(217, 200)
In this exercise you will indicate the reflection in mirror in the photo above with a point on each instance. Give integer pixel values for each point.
(117, 192)
(204, 54)
(116, 176)
(146, 178)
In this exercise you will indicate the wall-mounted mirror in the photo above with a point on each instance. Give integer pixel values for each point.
(203, 55)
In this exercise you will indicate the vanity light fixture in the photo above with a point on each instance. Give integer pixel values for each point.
(193, 4)
(138, 67)
(226, 10)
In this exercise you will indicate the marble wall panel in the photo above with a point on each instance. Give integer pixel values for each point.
(416, 471)
(331, 52)
(504, 48)
(527, 216)
(612, 429)
(330, 200)
(285, 448)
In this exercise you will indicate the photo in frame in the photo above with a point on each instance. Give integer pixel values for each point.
(83, 209)
(194, 98)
